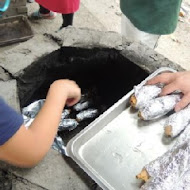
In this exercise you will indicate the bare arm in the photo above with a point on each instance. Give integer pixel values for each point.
(28, 146)
(175, 81)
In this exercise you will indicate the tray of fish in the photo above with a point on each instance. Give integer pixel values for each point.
(116, 146)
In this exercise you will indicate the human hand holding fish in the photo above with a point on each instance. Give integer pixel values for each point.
(179, 81)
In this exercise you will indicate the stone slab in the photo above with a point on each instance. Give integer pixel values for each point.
(87, 38)
(4, 76)
(53, 173)
(24, 185)
(9, 93)
(15, 60)
(147, 58)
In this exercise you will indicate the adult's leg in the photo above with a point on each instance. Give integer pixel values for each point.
(67, 19)
(134, 34)
(43, 10)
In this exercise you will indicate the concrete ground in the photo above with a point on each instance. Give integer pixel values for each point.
(106, 15)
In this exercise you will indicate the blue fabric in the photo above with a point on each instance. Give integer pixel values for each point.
(10, 122)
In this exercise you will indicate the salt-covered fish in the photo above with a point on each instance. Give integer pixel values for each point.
(173, 169)
(172, 162)
(177, 122)
(87, 114)
(65, 113)
(159, 107)
(32, 110)
(184, 182)
(82, 105)
(68, 124)
(59, 145)
(27, 121)
(142, 94)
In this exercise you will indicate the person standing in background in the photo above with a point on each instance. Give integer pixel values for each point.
(146, 20)
(48, 10)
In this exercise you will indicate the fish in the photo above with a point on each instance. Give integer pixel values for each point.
(68, 124)
(144, 94)
(32, 110)
(177, 122)
(159, 107)
(87, 114)
(82, 106)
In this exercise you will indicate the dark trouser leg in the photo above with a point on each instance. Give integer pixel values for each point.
(67, 19)
(43, 10)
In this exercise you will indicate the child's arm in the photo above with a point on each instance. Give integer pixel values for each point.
(28, 146)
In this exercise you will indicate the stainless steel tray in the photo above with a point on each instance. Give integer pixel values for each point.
(114, 148)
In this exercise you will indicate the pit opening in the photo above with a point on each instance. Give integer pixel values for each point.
(103, 73)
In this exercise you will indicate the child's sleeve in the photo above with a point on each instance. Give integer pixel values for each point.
(10, 122)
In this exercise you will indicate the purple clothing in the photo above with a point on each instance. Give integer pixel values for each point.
(10, 122)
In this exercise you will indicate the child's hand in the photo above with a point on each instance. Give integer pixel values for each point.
(44, 127)
(179, 81)
(74, 92)
(66, 88)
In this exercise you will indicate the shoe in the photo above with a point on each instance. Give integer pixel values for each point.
(30, 1)
(38, 15)
(62, 26)
(59, 29)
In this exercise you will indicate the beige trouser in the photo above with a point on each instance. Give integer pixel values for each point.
(133, 34)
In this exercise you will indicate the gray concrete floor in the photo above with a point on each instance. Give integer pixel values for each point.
(101, 15)
(106, 15)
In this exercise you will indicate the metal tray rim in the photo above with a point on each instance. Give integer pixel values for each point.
(70, 150)
(70, 146)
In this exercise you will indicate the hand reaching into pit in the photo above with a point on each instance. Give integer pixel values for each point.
(65, 89)
(32, 144)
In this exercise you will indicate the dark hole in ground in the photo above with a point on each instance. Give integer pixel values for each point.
(103, 73)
